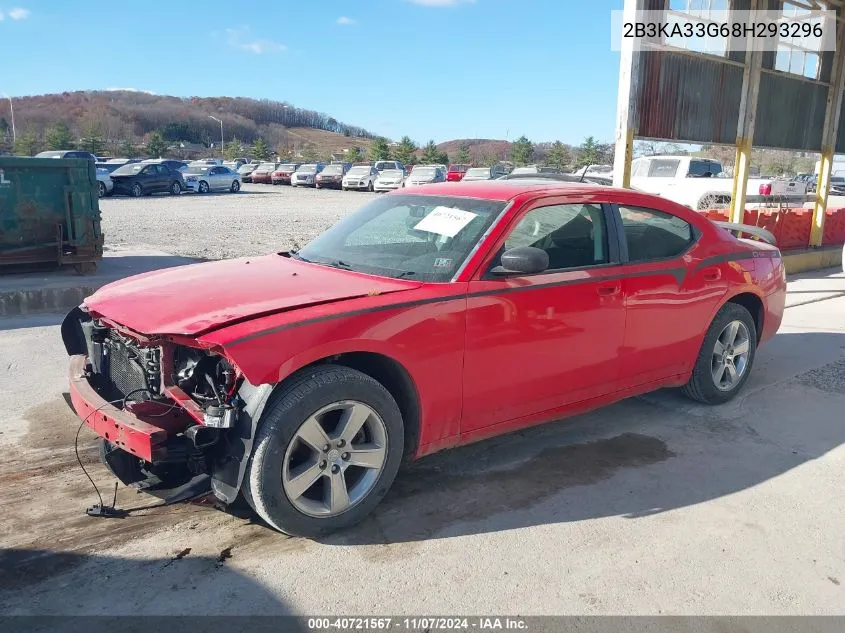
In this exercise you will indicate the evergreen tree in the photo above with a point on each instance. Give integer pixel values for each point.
(58, 136)
(234, 150)
(463, 156)
(379, 150)
(156, 145)
(353, 155)
(431, 155)
(260, 151)
(26, 144)
(558, 156)
(404, 152)
(522, 151)
(589, 153)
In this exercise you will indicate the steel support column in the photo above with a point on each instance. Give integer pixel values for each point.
(745, 126)
(830, 129)
(626, 104)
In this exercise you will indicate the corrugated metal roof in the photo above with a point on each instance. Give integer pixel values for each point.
(687, 98)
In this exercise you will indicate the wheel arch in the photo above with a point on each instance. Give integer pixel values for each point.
(754, 304)
(389, 372)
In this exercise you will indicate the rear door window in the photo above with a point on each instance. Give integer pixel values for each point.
(654, 235)
(663, 167)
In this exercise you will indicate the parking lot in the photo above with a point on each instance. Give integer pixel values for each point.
(655, 505)
(259, 219)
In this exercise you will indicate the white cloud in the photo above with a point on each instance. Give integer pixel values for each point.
(19, 14)
(346, 21)
(440, 3)
(241, 38)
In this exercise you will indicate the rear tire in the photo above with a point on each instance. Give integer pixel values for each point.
(101, 190)
(175, 188)
(137, 191)
(702, 385)
(280, 452)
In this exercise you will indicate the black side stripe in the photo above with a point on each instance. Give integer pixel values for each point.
(728, 257)
(678, 273)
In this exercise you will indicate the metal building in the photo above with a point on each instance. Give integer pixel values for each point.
(786, 97)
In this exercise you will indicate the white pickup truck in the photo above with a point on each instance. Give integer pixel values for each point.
(700, 183)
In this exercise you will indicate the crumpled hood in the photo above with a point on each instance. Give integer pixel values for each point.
(198, 298)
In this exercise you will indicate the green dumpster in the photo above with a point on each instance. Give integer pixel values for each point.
(49, 212)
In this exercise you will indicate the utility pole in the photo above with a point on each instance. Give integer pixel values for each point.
(12, 108)
(221, 133)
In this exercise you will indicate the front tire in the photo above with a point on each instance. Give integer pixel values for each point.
(203, 187)
(726, 357)
(101, 190)
(236, 186)
(329, 446)
(175, 188)
(137, 190)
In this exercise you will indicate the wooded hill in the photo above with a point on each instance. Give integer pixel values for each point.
(115, 119)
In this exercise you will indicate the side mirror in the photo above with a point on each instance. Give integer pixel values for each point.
(522, 260)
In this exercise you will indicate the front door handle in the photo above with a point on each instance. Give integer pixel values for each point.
(609, 291)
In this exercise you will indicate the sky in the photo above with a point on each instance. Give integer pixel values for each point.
(429, 69)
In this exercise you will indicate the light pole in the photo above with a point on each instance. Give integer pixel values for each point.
(12, 108)
(221, 133)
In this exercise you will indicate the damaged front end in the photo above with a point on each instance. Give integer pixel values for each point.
(167, 412)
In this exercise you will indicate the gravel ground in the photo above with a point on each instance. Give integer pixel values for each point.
(260, 219)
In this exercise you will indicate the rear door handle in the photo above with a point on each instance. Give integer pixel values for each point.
(607, 291)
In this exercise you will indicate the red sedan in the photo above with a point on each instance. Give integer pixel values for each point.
(433, 317)
(457, 172)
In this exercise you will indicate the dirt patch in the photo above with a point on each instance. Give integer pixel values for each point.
(830, 378)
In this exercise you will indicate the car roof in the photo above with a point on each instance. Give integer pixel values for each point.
(504, 190)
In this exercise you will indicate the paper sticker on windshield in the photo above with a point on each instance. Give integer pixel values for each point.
(442, 262)
(445, 221)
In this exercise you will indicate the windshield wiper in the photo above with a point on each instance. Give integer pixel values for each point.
(406, 273)
(337, 263)
(295, 255)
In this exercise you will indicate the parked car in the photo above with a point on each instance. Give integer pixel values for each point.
(263, 173)
(175, 165)
(306, 175)
(479, 173)
(534, 169)
(381, 165)
(360, 177)
(245, 172)
(332, 176)
(206, 178)
(456, 172)
(207, 161)
(308, 378)
(141, 179)
(105, 185)
(123, 161)
(282, 174)
(837, 185)
(109, 167)
(389, 179)
(424, 175)
(67, 153)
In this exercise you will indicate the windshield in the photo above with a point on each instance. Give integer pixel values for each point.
(424, 172)
(478, 171)
(245, 169)
(197, 169)
(287, 167)
(266, 167)
(383, 164)
(524, 170)
(308, 169)
(392, 173)
(425, 238)
(128, 170)
(49, 155)
(837, 179)
(333, 170)
(359, 171)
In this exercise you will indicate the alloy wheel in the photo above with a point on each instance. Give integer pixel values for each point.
(335, 459)
(730, 355)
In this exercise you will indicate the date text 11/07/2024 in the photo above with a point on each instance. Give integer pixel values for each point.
(417, 624)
